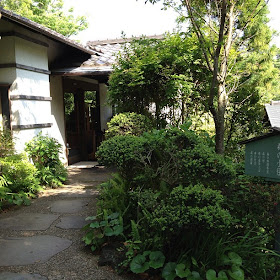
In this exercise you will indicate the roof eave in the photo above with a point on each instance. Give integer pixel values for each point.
(275, 131)
(42, 30)
(81, 72)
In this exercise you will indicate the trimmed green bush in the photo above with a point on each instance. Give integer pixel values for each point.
(6, 143)
(44, 153)
(178, 197)
(128, 124)
(19, 173)
(166, 157)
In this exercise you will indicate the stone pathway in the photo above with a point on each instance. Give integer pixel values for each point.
(43, 241)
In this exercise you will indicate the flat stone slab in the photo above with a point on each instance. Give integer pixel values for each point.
(28, 221)
(70, 192)
(71, 222)
(68, 206)
(20, 276)
(30, 250)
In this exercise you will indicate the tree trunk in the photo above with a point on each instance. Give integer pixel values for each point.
(219, 119)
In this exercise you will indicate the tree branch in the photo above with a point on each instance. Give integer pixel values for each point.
(199, 35)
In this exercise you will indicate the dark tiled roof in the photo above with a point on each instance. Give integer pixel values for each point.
(106, 50)
(273, 113)
(8, 15)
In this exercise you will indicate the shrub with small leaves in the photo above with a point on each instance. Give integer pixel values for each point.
(6, 143)
(44, 152)
(128, 124)
(20, 173)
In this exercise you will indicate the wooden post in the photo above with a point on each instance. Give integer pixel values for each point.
(81, 123)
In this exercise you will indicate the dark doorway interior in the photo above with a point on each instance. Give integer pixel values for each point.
(82, 115)
(5, 106)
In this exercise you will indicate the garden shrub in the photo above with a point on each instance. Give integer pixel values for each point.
(180, 200)
(190, 208)
(6, 143)
(19, 173)
(128, 124)
(113, 194)
(171, 157)
(44, 153)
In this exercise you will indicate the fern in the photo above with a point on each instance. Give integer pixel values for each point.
(134, 231)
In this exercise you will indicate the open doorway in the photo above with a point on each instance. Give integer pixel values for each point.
(82, 117)
(5, 107)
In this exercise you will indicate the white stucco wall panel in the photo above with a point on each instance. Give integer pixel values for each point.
(23, 136)
(106, 112)
(7, 75)
(31, 83)
(30, 112)
(57, 113)
(7, 46)
(31, 54)
(31, 34)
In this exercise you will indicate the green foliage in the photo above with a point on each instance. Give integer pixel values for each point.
(232, 269)
(102, 227)
(69, 104)
(18, 180)
(148, 259)
(6, 143)
(159, 72)
(259, 203)
(238, 60)
(165, 158)
(191, 208)
(179, 198)
(44, 152)
(20, 173)
(128, 124)
(49, 13)
(113, 194)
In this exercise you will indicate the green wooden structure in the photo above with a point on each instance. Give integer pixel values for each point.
(262, 156)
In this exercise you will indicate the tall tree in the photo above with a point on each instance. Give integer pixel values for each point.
(49, 13)
(228, 31)
(161, 73)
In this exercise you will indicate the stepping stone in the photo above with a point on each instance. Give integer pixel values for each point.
(30, 250)
(71, 192)
(20, 276)
(71, 222)
(28, 221)
(68, 206)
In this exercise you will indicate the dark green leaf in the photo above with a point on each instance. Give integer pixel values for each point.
(169, 271)
(139, 264)
(157, 259)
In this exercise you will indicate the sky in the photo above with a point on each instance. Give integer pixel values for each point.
(109, 18)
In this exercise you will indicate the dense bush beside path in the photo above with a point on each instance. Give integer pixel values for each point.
(180, 211)
(20, 180)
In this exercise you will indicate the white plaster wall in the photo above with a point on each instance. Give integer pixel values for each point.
(7, 75)
(7, 46)
(57, 114)
(31, 54)
(23, 136)
(31, 83)
(30, 112)
(106, 112)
